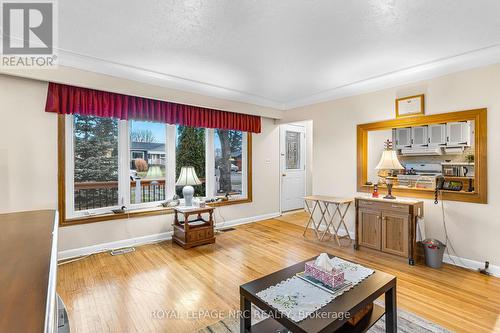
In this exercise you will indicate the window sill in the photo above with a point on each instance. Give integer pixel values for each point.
(64, 222)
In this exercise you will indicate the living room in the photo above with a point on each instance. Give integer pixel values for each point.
(169, 167)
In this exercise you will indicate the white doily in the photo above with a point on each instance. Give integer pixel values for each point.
(297, 299)
(353, 273)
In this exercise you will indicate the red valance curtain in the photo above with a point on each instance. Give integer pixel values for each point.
(65, 99)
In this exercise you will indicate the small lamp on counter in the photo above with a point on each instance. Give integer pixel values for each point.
(389, 162)
(187, 178)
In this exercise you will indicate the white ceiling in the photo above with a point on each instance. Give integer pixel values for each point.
(280, 53)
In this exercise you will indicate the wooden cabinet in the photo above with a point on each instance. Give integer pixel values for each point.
(388, 225)
(369, 229)
(395, 233)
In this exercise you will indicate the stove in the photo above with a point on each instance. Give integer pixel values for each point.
(420, 175)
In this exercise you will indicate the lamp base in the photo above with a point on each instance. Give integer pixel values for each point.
(389, 189)
(187, 193)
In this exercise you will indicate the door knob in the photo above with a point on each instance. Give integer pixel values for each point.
(284, 174)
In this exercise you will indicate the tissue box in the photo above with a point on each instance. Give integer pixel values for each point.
(334, 279)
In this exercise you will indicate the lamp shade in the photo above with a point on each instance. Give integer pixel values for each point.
(154, 172)
(389, 161)
(188, 177)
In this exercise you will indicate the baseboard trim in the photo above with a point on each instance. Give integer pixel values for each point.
(154, 238)
(452, 260)
(470, 264)
(246, 220)
(104, 247)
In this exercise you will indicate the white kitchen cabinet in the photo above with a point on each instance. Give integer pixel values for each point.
(403, 137)
(419, 136)
(458, 134)
(437, 135)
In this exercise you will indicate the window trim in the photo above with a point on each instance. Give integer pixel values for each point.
(125, 194)
(65, 152)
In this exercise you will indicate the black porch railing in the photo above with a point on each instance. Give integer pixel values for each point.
(92, 195)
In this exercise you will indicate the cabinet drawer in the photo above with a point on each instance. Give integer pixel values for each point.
(387, 206)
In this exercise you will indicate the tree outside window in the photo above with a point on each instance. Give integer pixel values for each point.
(96, 162)
(190, 151)
(228, 162)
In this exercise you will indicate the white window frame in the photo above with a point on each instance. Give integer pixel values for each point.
(70, 174)
(124, 169)
(126, 177)
(210, 163)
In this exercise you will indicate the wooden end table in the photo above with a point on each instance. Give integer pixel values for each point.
(199, 231)
(364, 293)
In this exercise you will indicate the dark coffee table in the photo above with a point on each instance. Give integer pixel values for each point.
(351, 302)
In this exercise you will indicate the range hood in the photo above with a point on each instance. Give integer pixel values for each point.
(418, 151)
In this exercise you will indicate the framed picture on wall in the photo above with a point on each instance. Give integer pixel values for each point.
(410, 106)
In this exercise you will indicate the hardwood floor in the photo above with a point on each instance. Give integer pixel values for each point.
(139, 291)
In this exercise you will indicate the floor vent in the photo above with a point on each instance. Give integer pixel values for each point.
(122, 251)
(227, 229)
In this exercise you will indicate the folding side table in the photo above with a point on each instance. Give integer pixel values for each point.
(325, 205)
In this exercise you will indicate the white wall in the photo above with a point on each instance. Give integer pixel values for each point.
(474, 229)
(28, 147)
(28, 165)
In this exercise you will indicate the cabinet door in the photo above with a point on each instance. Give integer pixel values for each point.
(458, 134)
(403, 137)
(419, 136)
(437, 135)
(395, 233)
(369, 228)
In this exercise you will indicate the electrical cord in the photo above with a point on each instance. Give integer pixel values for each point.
(447, 242)
(218, 209)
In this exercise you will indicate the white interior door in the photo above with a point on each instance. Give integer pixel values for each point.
(293, 175)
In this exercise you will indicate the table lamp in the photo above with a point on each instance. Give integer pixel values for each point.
(187, 178)
(389, 161)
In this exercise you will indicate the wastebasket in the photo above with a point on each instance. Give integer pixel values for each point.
(434, 251)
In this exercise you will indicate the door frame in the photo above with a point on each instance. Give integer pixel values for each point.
(281, 160)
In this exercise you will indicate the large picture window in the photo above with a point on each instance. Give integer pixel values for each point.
(111, 163)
